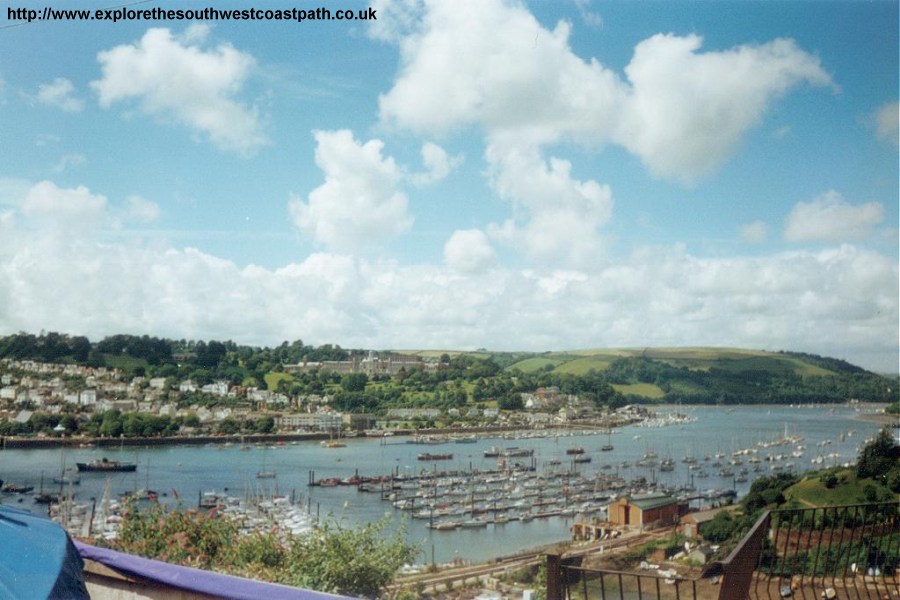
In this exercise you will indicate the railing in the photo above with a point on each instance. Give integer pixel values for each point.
(567, 579)
(831, 553)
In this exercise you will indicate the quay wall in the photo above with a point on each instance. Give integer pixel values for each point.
(13, 442)
(20, 442)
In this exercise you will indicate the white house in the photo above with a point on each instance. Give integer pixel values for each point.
(87, 397)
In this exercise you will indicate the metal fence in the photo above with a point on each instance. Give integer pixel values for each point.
(832, 553)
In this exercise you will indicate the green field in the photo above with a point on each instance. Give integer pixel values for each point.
(272, 378)
(647, 390)
(529, 365)
(580, 366)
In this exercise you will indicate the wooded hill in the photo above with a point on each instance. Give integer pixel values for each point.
(608, 377)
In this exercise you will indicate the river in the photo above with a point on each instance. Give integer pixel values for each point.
(834, 433)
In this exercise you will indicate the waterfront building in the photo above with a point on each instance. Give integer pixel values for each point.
(645, 511)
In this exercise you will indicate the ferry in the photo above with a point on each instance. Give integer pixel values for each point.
(513, 451)
(105, 465)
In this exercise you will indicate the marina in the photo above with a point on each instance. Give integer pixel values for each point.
(497, 495)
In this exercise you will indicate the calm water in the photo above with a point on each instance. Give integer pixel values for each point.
(192, 470)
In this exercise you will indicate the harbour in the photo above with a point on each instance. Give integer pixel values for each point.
(508, 503)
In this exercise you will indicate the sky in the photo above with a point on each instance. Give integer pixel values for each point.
(501, 174)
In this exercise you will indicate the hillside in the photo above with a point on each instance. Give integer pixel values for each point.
(704, 374)
(449, 378)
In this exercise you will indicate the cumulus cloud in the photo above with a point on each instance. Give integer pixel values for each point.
(839, 301)
(887, 122)
(60, 93)
(468, 251)
(688, 110)
(361, 202)
(66, 208)
(830, 218)
(490, 63)
(561, 215)
(755, 232)
(177, 78)
(438, 164)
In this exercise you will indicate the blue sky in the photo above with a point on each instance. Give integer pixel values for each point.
(455, 175)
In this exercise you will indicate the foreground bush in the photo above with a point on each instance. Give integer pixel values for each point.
(340, 559)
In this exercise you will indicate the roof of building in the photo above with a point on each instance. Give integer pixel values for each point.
(702, 516)
(653, 502)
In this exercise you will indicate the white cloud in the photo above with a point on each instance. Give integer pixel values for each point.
(490, 63)
(830, 218)
(438, 164)
(142, 210)
(176, 78)
(69, 207)
(590, 18)
(469, 251)
(687, 111)
(887, 121)
(60, 94)
(360, 203)
(395, 19)
(839, 301)
(562, 215)
(755, 232)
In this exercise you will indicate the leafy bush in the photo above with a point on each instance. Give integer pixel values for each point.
(357, 561)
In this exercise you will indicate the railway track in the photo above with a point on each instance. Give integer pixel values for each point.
(449, 578)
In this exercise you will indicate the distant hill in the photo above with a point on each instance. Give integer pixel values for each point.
(707, 374)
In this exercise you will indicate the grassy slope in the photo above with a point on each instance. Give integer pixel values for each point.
(812, 492)
(701, 359)
(647, 390)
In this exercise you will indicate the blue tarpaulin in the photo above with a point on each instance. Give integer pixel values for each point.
(38, 559)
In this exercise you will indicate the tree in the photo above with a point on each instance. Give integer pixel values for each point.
(720, 528)
(879, 457)
(229, 426)
(354, 382)
(264, 425)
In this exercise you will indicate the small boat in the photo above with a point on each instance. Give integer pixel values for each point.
(606, 447)
(582, 458)
(13, 488)
(576, 450)
(333, 444)
(105, 465)
(515, 451)
(46, 498)
(436, 456)
(265, 474)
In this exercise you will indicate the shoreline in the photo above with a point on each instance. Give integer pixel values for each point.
(25, 443)
(881, 418)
